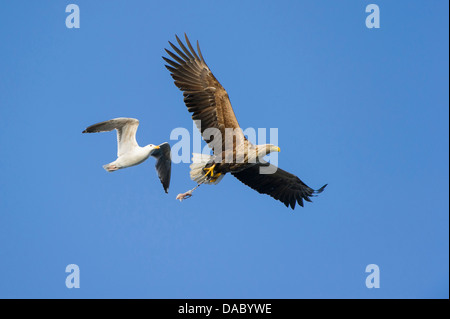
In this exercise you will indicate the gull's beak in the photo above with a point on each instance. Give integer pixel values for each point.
(279, 149)
(157, 147)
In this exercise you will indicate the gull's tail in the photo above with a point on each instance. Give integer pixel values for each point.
(110, 167)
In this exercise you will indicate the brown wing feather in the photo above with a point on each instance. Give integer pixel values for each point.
(203, 95)
(281, 185)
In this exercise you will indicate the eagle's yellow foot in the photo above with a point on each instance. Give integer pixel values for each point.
(215, 177)
(209, 170)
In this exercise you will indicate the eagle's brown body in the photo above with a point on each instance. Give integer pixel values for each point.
(235, 161)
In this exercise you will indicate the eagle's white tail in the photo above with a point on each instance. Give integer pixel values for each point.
(199, 162)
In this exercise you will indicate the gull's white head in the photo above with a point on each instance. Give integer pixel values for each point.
(151, 148)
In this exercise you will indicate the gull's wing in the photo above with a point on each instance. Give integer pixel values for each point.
(281, 185)
(163, 164)
(126, 132)
(203, 95)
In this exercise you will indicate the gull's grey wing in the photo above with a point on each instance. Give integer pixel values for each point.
(163, 164)
(126, 132)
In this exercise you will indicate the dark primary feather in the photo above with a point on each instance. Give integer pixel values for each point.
(203, 95)
(163, 164)
(281, 185)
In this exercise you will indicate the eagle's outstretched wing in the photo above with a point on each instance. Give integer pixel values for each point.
(281, 185)
(203, 95)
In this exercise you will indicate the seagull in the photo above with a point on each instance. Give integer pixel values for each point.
(129, 153)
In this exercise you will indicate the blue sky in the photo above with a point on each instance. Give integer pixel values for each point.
(364, 110)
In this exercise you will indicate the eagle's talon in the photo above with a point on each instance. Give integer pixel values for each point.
(215, 177)
(209, 170)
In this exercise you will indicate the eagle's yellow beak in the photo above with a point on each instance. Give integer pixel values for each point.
(157, 147)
